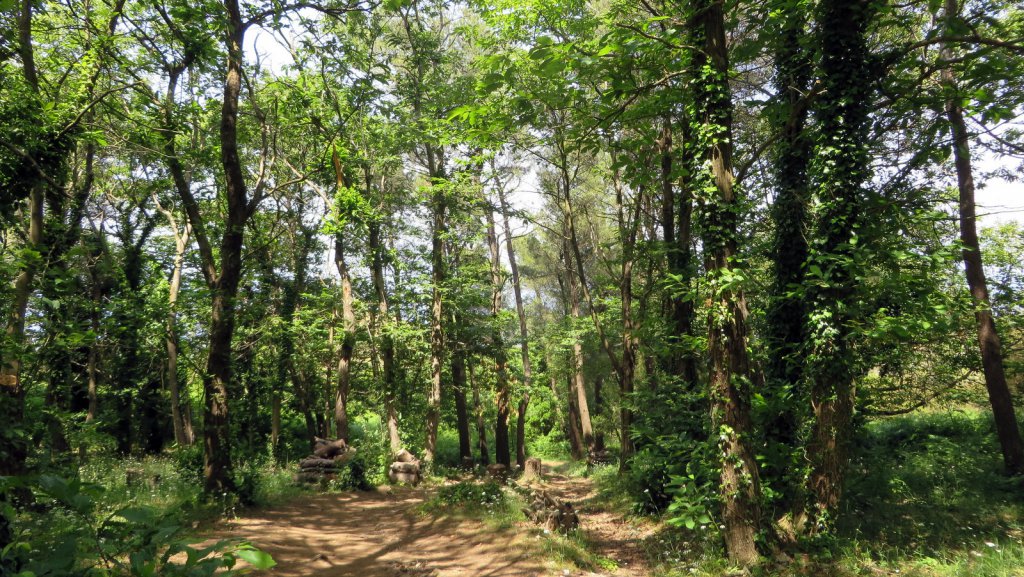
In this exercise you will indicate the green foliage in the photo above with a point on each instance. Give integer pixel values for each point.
(80, 538)
(472, 498)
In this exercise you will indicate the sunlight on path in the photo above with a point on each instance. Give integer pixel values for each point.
(378, 534)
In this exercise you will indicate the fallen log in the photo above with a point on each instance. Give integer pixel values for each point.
(404, 456)
(329, 449)
(405, 467)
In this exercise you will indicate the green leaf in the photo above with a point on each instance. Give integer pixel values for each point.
(137, 515)
(258, 559)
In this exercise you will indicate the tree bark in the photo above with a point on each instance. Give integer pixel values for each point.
(501, 440)
(598, 407)
(786, 316)
(578, 387)
(677, 237)
(216, 425)
(387, 346)
(843, 111)
(347, 343)
(182, 429)
(458, 365)
(627, 371)
(989, 343)
(439, 209)
(481, 424)
(727, 338)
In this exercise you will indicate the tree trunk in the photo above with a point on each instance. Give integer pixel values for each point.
(501, 440)
(577, 449)
(481, 423)
(387, 346)
(461, 410)
(988, 338)
(347, 343)
(676, 236)
(439, 209)
(524, 344)
(573, 248)
(182, 434)
(578, 391)
(727, 339)
(844, 108)
(627, 371)
(786, 316)
(598, 406)
(15, 447)
(216, 425)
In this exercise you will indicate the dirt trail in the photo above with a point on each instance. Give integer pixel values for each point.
(379, 534)
(609, 534)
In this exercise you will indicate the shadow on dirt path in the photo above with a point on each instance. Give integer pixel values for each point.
(379, 534)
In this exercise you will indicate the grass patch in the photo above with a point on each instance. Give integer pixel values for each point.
(931, 485)
(482, 500)
(573, 550)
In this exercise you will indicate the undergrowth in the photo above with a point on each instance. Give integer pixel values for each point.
(483, 500)
(925, 497)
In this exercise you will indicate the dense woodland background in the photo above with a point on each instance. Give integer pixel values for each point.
(714, 242)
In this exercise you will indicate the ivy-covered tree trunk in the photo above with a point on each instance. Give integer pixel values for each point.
(842, 154)
(786, 315)
(999, 396)
(727, 335)
(348, 341)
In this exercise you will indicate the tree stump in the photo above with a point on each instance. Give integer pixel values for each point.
(533, 470)
(497, 471)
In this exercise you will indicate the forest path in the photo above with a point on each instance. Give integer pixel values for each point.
(380, 534)
(608, 533)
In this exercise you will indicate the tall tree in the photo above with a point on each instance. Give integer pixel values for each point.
(524, 339)
(843, 169)
(727, 334)
(999, 396)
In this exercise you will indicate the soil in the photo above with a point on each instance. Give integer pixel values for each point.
(380, 534)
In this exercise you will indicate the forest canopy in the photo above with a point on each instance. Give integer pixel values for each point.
(710, 242)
